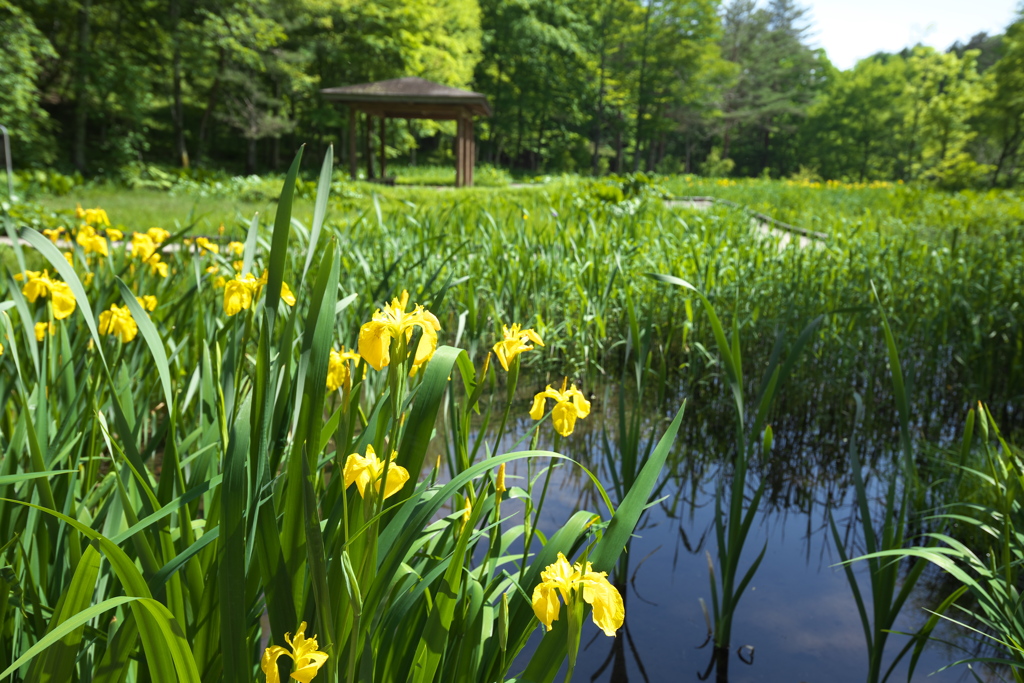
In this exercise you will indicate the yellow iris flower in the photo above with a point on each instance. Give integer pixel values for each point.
(40, 285)
(90, 241)
(240, 292)
(114, 235)
(304, 653)
(158, 235)
(338, 372)
(206, 245)
(36, 284)
(393, 322)
(42, 328)
(155, 266)
(286, 293)
(515, 342)
(147, 301)
(572, 581)
(85, 233)
(118, 322)
(363, 471)
(96, 217)
(236, 248)
(569, 405)
(63, 299)
(54, 234)
(142, 246)
(92, 216)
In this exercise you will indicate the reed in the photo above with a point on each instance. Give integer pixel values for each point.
(178, 497)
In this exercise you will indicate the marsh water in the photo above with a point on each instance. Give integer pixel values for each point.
(797, 621)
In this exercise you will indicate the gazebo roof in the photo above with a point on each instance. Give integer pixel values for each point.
(410, 97)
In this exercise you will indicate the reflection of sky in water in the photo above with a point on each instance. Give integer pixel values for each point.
(798, 613)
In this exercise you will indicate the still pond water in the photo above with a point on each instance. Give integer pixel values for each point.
(797, 621)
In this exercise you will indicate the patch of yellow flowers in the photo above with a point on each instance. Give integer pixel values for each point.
(144, 246)
(91, 242)
(41, 285)
(97, 217)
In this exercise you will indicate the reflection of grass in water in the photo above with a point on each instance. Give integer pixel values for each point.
(734, 514)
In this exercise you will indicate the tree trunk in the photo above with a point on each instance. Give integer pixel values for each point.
(652, 147)
(1008, 149)
(177, 110)
(211, 102)
(619, 152)
(689, 152)
(540, 141)
(250, 158)
(766, 155)
(81, 81)
(519, 130)
(275, 144)
(641, 109)
(599, 124)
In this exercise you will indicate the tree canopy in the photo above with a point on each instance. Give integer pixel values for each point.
(590, 86)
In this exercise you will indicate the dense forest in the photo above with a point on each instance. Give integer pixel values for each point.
(586, 86)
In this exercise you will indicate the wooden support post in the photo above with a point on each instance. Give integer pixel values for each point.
(383, 148)
(353, 154)
(369, 147)
(460, 153)
(470, 152)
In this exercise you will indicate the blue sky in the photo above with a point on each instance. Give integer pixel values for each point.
(850, 30)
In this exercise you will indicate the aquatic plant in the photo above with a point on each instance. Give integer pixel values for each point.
(200, 480)
(734, 512)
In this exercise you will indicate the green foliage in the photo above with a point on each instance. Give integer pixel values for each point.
(191, 486)
(23, 54)
(715, 166)
(581, 86)
(1002, 115)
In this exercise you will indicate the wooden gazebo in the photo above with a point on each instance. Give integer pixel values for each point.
(411, 98)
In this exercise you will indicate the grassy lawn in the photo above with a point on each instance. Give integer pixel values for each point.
(140, 209)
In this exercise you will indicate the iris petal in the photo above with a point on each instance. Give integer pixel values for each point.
(375, 344)
(537, 411)
(545, 604)
(564, 416)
